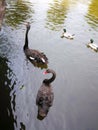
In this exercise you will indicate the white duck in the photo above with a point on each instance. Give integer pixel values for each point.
(67, 35)
(92, 45)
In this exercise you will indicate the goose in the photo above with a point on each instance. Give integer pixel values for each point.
(67, 35)
(92, 45)
(45, 95)
(36, 57)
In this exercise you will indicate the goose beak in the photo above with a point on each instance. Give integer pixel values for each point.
(45, 72)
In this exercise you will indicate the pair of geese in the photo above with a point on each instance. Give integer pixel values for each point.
(45, 95)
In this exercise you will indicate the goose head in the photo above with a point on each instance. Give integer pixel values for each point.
(50, 80)
(28, 26)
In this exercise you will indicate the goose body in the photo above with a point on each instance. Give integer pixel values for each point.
(92, 45)
(33, 55)
(45, 95)
(67, 35)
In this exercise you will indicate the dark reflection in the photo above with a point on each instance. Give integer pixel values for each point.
(2, 11)
(6, 116)
(56, 14)
(45, 96)
(17, 12)
(92, 15)
(22, 126)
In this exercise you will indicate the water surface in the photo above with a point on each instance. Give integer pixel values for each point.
(75, 105)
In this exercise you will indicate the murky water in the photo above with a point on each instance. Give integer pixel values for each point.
(75, 105)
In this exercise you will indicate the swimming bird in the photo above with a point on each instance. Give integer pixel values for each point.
(92, 45)
(67, 35)
(45, 95)
(36, 57)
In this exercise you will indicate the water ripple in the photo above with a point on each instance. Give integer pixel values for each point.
(17, 12)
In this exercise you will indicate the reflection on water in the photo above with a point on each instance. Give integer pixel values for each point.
(8, 118)
(56, 14)
(17, 12)
(76, 86)
(22, 126)
(6, 115)
(92, 15)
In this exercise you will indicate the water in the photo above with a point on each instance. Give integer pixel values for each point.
(75, 105)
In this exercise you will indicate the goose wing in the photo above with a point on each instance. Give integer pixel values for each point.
(45, 96)
(37, 56)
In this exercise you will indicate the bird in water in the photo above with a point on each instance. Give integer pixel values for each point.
(67, 35)
(92, 45)
(45, 95)
(38, 58)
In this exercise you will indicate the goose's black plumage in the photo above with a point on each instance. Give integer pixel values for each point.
(45, 95)
(36, 57)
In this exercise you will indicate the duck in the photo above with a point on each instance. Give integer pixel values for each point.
(67, 35)
(92, 45)
(35, 56)
(45, 95)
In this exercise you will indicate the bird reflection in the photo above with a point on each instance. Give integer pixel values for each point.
(22, 126)
(45, 96)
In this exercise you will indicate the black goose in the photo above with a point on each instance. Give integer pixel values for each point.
(36, 57)
(45, 96)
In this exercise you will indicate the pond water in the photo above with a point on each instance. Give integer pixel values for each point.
(75, 105)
